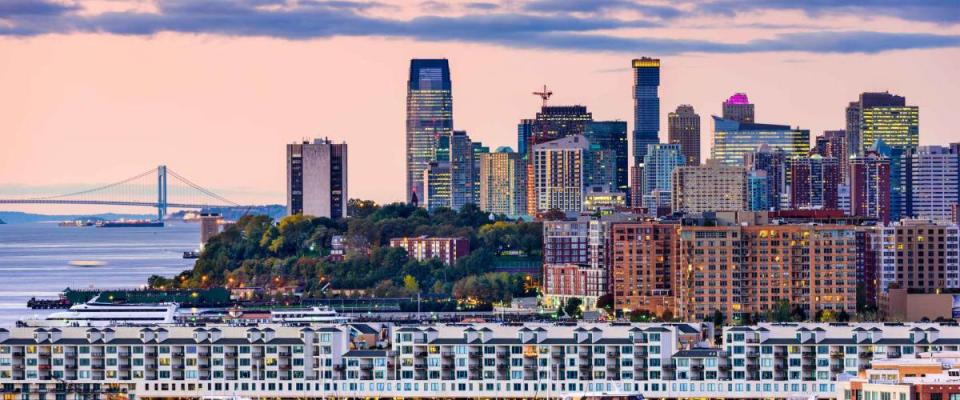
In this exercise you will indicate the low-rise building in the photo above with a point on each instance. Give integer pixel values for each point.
(424, 248)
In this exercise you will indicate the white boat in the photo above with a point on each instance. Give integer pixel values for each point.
(306, 315)
(95, 313)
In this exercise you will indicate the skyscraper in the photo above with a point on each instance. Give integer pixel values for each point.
(900, 183)
(436, 186)
(478, 150)
(658, 166)
(738, 108)
(814, 182)
(870, 186)
(757, 191)
(773, 162)
(503, 182)
(733, 139)
(612, 135)
(934, 178)
(552, 122)
(834, 144)
(646, 105)
(461, 170)
(317, 178)
(854, 143)
(713, 186)
(683, 128)
(558, 167)
(429, 117)
(886, 117)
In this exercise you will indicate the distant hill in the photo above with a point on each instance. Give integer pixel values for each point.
(16, 217)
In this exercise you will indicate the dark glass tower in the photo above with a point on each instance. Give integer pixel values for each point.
(612, 135)
(429, 117)
(646, 105)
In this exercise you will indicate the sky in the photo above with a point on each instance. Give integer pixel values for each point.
(93, 92)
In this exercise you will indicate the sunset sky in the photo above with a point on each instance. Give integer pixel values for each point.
(92, 92)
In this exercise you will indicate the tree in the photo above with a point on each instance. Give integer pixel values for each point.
(718, 318)
(554, 215)
(605, 302)
(411, 285)
(573, 307)
(667, 316)
(843, 316)
(782, 311)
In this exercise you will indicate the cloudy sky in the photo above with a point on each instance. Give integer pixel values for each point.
(96, 91)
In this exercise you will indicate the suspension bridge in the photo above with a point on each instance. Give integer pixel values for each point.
(159, 188)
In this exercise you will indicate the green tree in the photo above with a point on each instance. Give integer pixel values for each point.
(573, 307)
(411, 285)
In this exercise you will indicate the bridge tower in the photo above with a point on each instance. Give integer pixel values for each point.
(161, 192)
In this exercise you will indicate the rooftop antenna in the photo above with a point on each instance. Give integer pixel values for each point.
(545, 95)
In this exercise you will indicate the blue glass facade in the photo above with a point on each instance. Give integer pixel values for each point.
(646, 106)
(612, 135)
(429, 117)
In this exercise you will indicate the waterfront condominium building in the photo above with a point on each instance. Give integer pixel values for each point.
(646, 105)
(709, 187)
(885, 116)
(658, 165)
(464, 360)
(436, 185)
(738, 108)
(732, 140)
(934, 182)
(424, 248)
(503, 182)
(612, 135)
(462, 172)
(870, 186)
(317, 178)
(429, 117)
(740, 270)
(558, 176)
(683, 128)
(918, 255)
(566, 241)
(643, 267)
(814, 182)
(774, 163)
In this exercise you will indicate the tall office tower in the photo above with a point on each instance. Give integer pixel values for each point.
(900, 183)
(612, 135)
(870, 186)
(600, 167)
(429, 117)
(503, 182)
(558, 174)
(712, 186)
(478, 150)
(773, 162)
(757, 191)
(919, 262)
(683, 128)
(833, 144)
(715, 274)
(934, 176)
(552, 122)
(732, 140)
(317, 178)
(854, 142)
(642, 267)
(436, 185)
(461, 170)
(658, 166)
(646, 105)
(886, 117)
(813, 182)
(738, 108)
(636, 186)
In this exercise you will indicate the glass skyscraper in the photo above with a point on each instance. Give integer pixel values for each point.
(461, 170)
(646, 106)
(732, 140)
(658, 165)
(885, 116)
(429, 117)
(612, 135)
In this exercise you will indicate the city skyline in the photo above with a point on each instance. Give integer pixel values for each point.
(202, 102)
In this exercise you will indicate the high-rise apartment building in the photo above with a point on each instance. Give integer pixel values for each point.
(934, 183)
(738, 108)
(886, 117)
(612, 135)
(429, 117)
(854, 143)
(732, 140)
(643, 266)
(636, 186)
(436, 185)
(462, 174)
(558, 174)
(551, 123)
(757, 192)
(646, 105)
(503, 182)
(870, 186)
(683, 128)
(918, 255)
(834, 144)
(658, 166)
(478, 150)
(709, 187)
(814, 182)
(900, 184)
(317, 178)
(774, 163)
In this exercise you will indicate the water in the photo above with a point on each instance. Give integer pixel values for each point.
(34, 260)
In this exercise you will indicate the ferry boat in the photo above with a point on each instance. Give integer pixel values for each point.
(306, 315)
(96, 314)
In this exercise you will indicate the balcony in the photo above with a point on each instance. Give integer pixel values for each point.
(866, 354)
(836, 354)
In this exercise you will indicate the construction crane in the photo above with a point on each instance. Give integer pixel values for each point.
(545, 95)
